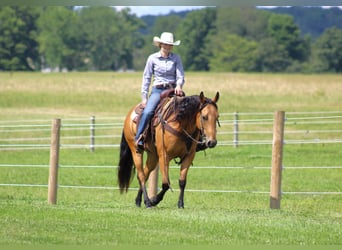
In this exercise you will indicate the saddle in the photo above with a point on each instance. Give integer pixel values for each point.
(165, 97)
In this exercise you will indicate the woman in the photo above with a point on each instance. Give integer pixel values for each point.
(167, 71)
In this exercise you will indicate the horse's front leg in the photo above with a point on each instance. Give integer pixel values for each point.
(138, 199)
(160, 195)
(182, 184)
(182, 181)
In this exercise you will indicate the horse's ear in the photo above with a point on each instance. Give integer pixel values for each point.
(216, 97)
(202, 98)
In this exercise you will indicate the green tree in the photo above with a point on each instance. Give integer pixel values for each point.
(328, 51)
(246, 22)
(18, 46)
(131, 40)
(313, 20)
(287, 34)
(167, 23)
(59, 37)
(110, 37)
(194, 32)
(234, 53)
(272, 56)
(279, 46)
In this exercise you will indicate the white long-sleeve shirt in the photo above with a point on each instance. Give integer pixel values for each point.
(164, 71)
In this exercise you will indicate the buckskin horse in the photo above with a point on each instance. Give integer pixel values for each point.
(181, 126)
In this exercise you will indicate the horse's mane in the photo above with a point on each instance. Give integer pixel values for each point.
(184, 108)
(187, 107)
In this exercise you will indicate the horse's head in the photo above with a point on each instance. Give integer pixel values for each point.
(207, 118)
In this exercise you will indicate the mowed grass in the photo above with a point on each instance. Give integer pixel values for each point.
(222, 205)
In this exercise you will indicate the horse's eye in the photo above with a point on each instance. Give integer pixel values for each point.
(205, 118)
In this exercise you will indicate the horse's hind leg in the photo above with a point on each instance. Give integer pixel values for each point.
(151, 164)
(138, 160)
(164, 169)
(147, 200)
(142, 192)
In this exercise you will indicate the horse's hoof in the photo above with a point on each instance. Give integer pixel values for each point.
(148, 204)
(154, 201)
(138, 203)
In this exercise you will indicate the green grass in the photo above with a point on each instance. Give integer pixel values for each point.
(102, 217)
(119, 224)
(106, 218)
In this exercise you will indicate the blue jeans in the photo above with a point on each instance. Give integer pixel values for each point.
(148, 112)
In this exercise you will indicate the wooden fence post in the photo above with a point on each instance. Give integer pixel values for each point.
(54, 159)
(277, 159)
(153, 183)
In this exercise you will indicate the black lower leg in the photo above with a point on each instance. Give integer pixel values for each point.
(147, 200)
(161, 194)
(182, 184)
(138, 198)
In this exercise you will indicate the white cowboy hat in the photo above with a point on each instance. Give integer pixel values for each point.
(166, 38)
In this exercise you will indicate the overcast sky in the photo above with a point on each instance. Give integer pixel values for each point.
(157, 10)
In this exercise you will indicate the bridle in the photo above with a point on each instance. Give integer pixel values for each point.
(185, 134)
(203, 105)
(187, 137)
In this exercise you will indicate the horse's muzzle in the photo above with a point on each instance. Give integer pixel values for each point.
(211, 143)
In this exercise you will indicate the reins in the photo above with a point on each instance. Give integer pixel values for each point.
(184, 134)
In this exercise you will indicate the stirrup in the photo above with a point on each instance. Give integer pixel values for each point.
(139, 148)
(139, 144)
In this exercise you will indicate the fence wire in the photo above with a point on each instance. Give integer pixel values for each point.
(237, 129)
(243, 129)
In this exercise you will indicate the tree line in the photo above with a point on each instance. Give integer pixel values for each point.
(213, 39)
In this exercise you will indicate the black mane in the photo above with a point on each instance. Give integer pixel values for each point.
(187, 107)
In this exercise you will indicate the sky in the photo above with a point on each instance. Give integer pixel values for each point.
(163, 10)
(157, 10)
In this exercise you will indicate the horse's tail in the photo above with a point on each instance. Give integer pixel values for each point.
(125, 165)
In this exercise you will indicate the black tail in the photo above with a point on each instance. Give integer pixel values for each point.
(125, 165)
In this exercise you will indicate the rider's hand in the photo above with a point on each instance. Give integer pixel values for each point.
(143, 103)
(178, 90)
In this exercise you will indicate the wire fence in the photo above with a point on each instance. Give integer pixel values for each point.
(237, 129)
(111, 187)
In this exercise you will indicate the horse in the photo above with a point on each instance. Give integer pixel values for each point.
(182, 126)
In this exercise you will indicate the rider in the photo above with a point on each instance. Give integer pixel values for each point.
(167, 71)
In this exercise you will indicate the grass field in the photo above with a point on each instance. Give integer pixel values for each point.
(220, 216)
